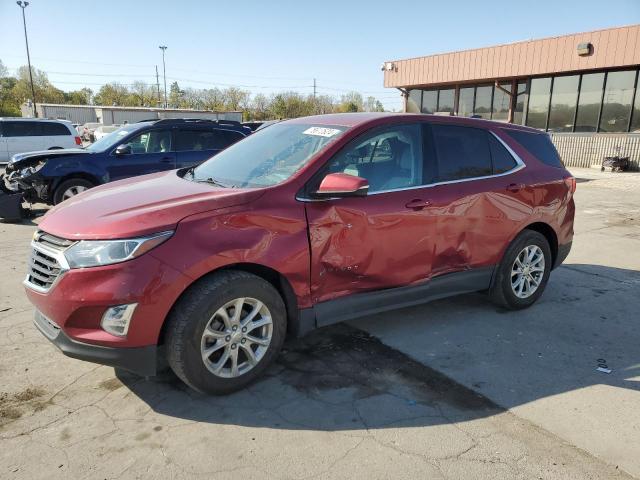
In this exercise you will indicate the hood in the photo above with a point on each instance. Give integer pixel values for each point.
(138, 206)
(23, 159)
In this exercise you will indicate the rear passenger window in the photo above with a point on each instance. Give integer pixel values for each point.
(51, 129)
(462, 152)
(537, 144)
(21, 129)
(197, 140)
(502, 159)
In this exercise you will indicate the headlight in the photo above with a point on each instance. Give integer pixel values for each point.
(92, 253)
(26, 172)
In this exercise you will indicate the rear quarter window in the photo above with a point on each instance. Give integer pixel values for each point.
(54, 129)
(230, 137)
(539, 145)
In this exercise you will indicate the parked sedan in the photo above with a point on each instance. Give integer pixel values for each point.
(306, 223)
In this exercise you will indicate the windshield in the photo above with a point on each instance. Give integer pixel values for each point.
(267, 157)
(110, 140)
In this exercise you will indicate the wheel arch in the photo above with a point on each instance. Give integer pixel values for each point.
(550, 234)
(83, 175)
(275, 278)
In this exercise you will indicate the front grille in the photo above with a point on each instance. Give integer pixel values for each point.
(45, 261)
(52, 241)
(43, 269)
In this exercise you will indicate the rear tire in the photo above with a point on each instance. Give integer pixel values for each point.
(70, 188)
(205, 319)
(523, 273)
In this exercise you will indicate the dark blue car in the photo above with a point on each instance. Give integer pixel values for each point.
(135, 149)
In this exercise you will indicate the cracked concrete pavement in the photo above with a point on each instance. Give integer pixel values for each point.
(454, 389)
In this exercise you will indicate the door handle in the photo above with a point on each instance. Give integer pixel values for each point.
(166, 159)
(515, 187)
(418, 204)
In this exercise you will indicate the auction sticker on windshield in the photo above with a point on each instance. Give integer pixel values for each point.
(321, 131)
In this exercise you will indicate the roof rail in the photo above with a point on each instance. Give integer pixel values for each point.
(174, 121)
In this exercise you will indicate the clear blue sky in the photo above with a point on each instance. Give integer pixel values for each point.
(271, 45)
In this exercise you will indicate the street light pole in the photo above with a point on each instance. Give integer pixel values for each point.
(24, 5)
(164, 71)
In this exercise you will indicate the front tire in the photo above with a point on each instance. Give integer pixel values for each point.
(225, 331)
(71, 188)
(523, 273)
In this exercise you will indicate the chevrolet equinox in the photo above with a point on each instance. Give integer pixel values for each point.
(304, 224)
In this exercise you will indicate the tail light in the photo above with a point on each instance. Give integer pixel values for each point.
(570, 182)
(78, 141)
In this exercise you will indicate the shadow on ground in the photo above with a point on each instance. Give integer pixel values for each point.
(337, 378)
(343, 378)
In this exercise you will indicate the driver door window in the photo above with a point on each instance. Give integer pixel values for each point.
(389, 158)
(154, 141)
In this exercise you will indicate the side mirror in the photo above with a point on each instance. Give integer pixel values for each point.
(339, 185)
(124, 149)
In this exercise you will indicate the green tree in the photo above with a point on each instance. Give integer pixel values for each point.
(112, 94)
(373, 105)
(175, 95)
(351, 102)
(235, 98)
(78, 97)
(45, 92)
(9, 106)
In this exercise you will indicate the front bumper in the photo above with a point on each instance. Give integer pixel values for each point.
(140, 360)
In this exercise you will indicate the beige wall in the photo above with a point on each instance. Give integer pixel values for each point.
(614, 47)
(584, 150)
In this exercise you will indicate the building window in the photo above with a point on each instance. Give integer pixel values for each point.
(539, 102)
(521, 103)
(616, 105)
(635, 119)
(563, 103)
(414, 101)
(446, 100)
(465, 102)
(482, 107)
(429, 101)
(501, 102)
(589, 102)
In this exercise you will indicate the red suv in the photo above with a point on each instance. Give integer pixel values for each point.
(306, 223)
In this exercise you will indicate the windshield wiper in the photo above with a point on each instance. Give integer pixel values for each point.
(212, 181)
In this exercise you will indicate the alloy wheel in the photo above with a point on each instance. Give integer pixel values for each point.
(73, 191)
(527, 271)
(236, 337)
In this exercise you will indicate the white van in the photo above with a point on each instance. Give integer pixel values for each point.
(19, 135)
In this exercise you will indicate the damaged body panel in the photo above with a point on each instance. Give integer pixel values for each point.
(24, 174)
(361, 244)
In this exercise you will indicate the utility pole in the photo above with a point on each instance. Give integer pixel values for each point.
(158, 85)
(314, 88)
(24, 5)
(164, 70)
